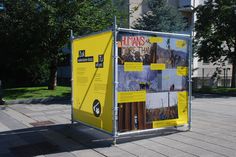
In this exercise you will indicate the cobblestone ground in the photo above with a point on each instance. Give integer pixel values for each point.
(44, 130)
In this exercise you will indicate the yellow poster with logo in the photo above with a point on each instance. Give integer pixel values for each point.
(92, 80)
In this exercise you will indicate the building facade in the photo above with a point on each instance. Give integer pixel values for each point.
(204, 73)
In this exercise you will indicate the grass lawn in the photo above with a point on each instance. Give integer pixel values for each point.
(35, 92)
(219, 90)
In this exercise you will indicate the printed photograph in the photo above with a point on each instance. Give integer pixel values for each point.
(150, 80)
(138, 48)
(161, 106)
(147, 79)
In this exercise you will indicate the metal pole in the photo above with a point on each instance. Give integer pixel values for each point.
(71, 62)
(190, 69)
(166, 34)
(224, 77)
(190, 85)
(227, 77)
(115, 84)
(203, 77)
(191, 51)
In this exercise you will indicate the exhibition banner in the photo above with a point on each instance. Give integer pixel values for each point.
(152, 81)
(92, 83)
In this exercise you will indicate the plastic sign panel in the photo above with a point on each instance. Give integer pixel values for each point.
(152, 76)
(92, 80)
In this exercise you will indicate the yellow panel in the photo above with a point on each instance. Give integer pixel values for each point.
(183, 106)
(156, 66)
(181, 43)
(167, 123)
(182, 71)
(156, 40)
(133, 66)
(182, 113)
(134, 96)
(92, 80)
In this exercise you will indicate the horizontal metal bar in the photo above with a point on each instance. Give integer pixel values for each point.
(148, 130)
(153, 32)
(133, 132)
(104, 131)
(91, 34)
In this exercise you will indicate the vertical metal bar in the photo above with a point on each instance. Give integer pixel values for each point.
(71, 62)
(190, 85)
(203, 79)
(190, 68)
(115, 83)
(224, 77)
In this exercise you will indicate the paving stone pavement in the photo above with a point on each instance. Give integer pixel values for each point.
(213, 134)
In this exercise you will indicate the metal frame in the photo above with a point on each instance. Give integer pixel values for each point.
(148, 130)
(85, 124)
(71, 62)
(115, 134)
(152, 32)
(115, 81)
(190, 84)
(72, 38)
(91, 34)
(189, 50)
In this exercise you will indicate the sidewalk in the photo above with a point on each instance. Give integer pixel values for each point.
(44, 130)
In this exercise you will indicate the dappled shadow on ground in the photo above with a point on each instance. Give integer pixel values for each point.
(60, 138)
(49, 140)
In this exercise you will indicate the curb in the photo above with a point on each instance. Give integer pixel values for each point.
(213, 95)
(48, 100)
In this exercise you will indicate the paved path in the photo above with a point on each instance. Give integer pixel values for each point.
(213, 134)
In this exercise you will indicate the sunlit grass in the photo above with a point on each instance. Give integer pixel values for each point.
(35, 92)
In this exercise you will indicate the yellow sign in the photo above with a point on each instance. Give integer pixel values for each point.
(134, 96)
(133, 66)
(182, 71)
(156, 66)
(181, 44)
(92, 80)
(182, 113)
(156, 40)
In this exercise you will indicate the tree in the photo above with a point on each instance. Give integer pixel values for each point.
(161, 17)
(61, 16)
(43, 27)
(216, 32)
(21, 60)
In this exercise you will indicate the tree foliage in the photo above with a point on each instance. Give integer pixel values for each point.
(32, 33)
(20, 55)
(161, 17)
(216, 32)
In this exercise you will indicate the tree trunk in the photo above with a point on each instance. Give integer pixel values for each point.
(233, 74)
(53, 75)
